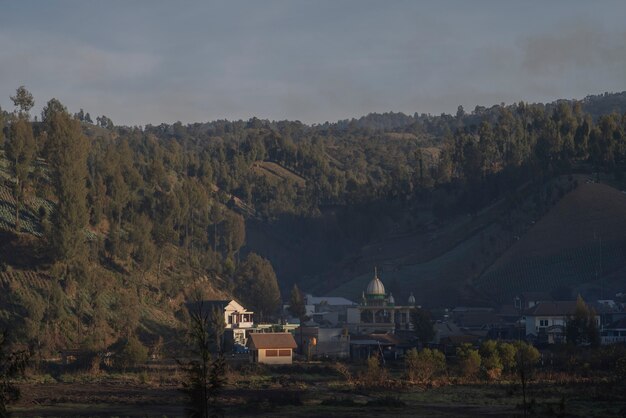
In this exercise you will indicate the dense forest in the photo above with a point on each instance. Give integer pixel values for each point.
(117, 217)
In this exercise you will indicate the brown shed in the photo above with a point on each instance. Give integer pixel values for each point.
(271, 348)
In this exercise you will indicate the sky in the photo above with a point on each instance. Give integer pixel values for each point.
(141, 62)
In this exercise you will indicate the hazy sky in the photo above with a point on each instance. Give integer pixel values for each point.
(152, 61)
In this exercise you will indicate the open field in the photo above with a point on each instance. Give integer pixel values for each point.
(317, 391)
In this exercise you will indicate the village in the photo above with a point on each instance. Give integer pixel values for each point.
(382, 325)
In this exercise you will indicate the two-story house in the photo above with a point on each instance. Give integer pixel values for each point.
(238, 321)
(546, 320)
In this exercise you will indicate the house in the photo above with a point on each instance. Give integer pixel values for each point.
(546, 321)
(509, 315)
(365, 346)
(609, 311)
(479, 319)
(324, 342)
(614, 333)
(327, 309)
(527, 300)
(271, 347)
(238, 321)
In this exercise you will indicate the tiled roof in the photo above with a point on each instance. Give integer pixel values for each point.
(260, 340)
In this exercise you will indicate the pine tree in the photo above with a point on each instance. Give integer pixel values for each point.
(582, 328)
(20, 152)
(297, 308)
(68, 150)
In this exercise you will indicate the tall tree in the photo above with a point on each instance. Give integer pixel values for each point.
(20, 150)
(68, 150)
(423, 325)
(206, 377)
(582, 328)
(256, 285)
(297, 308)
(526, 358)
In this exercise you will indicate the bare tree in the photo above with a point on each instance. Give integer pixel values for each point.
(206, 376)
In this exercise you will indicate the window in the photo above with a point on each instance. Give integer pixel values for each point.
(543, 322)
(284, 353)
(271, 353)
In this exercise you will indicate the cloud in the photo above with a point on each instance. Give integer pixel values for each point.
(575, 46)
(308, 61)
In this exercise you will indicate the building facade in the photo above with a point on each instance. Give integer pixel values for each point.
(378, 312)
(271, 347)
(238, 321)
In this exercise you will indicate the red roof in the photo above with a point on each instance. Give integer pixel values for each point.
(271, 340)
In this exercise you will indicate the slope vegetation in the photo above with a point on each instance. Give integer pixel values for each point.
(581, 239)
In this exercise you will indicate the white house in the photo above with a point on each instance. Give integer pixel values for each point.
(548, 319)
(614, 333)
(237, 319)
(329, 310)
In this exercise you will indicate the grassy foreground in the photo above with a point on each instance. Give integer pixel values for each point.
(315, 390)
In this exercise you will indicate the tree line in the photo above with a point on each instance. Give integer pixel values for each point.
(142, 201)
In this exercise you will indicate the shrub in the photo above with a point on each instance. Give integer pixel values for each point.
(344, 371)
(491, 359)
(469, 360)
(620, 369)
(423, 365)
(507, 353)
(132, 354)
(375, 375)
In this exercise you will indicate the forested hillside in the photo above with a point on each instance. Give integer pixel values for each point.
(99, 219)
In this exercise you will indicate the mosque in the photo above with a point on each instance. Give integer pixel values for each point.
(378, 312)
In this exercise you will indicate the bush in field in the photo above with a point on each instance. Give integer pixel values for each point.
(12, 365)
(375, 375)
(344, 371)
(469, 360)
(133, 353)
(422, 366)
(507, 352)
(620, 369)
(491, 362)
